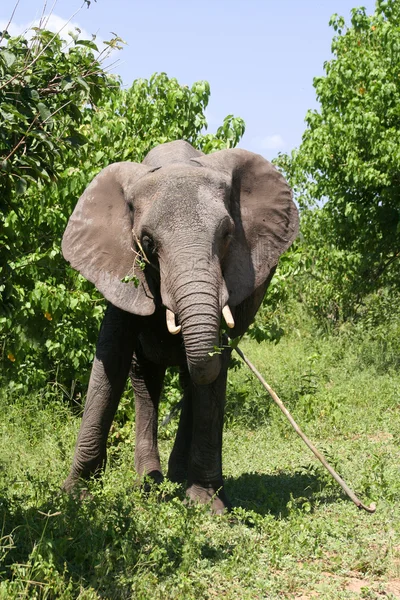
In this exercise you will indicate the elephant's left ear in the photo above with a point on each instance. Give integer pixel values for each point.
(266, 219)
(98, 241)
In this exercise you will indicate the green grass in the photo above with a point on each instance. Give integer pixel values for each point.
(292, 533)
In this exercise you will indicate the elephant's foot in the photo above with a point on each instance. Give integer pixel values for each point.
(76, 487)
(80, 474)
(151, 479)
(70, 483)
(147, 462)
(212, 494)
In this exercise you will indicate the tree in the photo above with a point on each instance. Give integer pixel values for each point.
(346, 173)
(67, 119)
(46, 91)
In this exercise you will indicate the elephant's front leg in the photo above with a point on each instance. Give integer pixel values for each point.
(147, 380)
(179, 459)
(205, 483)
(107, 381)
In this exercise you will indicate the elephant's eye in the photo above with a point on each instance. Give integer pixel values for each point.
(148, 246)
(228, 235)
(228, 229)
(225, 235)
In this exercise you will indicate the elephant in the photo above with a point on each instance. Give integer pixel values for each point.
(175, 244)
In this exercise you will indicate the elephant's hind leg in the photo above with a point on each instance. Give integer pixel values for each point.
(107, 381)
(147, 380)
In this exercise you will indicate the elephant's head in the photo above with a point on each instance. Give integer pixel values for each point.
(212, 227)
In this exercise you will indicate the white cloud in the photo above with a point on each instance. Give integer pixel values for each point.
(12, 29)
(272, 142)
(52, 23)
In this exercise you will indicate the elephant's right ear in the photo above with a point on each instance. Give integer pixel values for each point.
(98, 241)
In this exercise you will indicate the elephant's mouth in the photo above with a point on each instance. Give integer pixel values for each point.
(174, 329)
(204, 366)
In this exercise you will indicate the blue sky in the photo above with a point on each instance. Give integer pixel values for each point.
(259, 56)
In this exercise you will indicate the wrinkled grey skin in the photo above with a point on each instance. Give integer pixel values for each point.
(212, 228)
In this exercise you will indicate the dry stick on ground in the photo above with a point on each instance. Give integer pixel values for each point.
(321, 458)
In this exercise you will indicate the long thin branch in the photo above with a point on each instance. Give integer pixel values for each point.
(42, 16)
(9, 22)
(56, 111)
(385, 265)
(40, 53)
(50, 13)
(21, 141)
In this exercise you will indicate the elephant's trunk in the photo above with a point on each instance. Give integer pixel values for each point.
(201, 338)
(198, 308)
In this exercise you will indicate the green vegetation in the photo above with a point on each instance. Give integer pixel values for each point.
(349, 162)
(292, 531)
(333, 306)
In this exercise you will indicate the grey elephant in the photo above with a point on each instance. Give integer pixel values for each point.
(174, 244)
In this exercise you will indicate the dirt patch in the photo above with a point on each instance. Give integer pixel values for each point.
(356, 586)
(393, 587)
(380, 436)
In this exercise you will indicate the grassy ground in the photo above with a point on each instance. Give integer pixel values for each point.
(292, 533)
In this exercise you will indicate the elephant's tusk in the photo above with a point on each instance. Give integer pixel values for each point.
(226, 313)
(172, 326)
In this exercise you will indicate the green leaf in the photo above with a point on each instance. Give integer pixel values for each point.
(77, 139)
(21, 186)
(67, 84)
(75, 112)
(83, 83)
(44, 112)
(88, 44)
(131, 279)
(8, 57)
(34, 95)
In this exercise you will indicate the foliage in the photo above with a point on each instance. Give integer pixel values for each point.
(46, 92)
(291, 532)
(66, 119)
(346, 173)
(43, 91)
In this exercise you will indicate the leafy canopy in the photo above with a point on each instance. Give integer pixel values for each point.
(346, 173)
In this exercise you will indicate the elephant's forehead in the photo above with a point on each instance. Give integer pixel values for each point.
(191, 193)
(183, 180)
